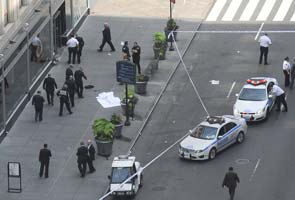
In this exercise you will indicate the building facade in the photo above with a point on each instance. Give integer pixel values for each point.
(25, 59)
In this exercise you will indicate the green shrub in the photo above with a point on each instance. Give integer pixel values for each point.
(103, 129)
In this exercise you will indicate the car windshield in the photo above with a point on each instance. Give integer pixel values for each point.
(205, 132)
(249, 94)
(120, 174)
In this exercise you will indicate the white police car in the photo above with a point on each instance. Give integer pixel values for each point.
(212, 136)
(254, 102)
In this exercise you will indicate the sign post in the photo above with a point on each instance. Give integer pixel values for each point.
(14, 171)
(126, 73)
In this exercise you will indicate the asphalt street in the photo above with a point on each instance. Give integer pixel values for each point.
(264, 161)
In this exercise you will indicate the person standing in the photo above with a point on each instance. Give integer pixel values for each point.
(49, 85)
(80, 48)
(71, 89)
(136, 56)
(230, 181)
(36, 43)
(79, 75)
(106, 38)
(72, 45)
(64, 99)
(38, 102)
(69, 72)
(287, 71)
(264, 41)
(91, 156)
(44, 157)
(292, 74)
(280, 94)
(125, 50)
(82, 154)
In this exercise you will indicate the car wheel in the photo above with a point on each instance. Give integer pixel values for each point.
(240, 138)
(212, 154)
(141, 181)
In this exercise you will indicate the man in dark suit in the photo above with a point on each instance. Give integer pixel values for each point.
(80, 48)
(44, 157)
(106, 38)
(230, 181)
(79, 75)
(38, 102)
(71, 89)
(69, 72)
(91, 156)
(49, 85)
(82, 154)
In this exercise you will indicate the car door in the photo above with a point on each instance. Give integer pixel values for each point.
(231, 132)
(221, 138)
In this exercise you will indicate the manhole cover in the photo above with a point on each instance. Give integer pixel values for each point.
(159, 188)
(242, 161)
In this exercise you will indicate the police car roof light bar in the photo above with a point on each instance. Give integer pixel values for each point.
(256, 82)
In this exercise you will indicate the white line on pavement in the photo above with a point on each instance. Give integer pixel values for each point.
(259, 30)
(293, 18)
(266, 9)
(231, 11)
(254, 170)
(283, 10)
(216, 10)
(231, 89)
(249, 10)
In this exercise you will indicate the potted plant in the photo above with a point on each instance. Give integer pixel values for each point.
(132, 100)
(171, 26)
(160, 45)
(141, 83)
(117, 120)
(103, 131)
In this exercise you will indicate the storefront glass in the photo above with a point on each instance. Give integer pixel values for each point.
(79, 8)
(5, 6)
(68, 15)
(1, 110)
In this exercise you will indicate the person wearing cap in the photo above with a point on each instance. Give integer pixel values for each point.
(125, 50)
(264, 42)
(72, 45)
(71, 89)
(287, 71)
(91, 156)
(136, 56)
(280, 96)
(106, 38)
(82, 154)
(69, 72)
(230, 181)
(49, 85)
(64, 99)
(38, 102)
(292, 74)
(79, 75)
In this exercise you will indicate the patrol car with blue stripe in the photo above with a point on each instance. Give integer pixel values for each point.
(212, 136)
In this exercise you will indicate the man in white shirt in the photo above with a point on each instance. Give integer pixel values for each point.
(36, 43)
(287, 71)
(280, 94)
(72, 45)
(264, 44)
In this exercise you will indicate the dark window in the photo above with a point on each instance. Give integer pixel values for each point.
(229, 126)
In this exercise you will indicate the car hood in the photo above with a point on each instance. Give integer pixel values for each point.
(250, 106)
(195, 143)
(123, 188)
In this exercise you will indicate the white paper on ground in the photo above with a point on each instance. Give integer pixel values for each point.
(108, 100)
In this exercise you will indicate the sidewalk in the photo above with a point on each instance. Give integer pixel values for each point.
(63, 134)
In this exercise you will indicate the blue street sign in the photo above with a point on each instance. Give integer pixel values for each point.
(126, 72)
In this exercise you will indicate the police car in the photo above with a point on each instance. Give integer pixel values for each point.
(212, 136)
(254, 102)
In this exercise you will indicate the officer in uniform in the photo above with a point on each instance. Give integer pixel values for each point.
(69, 72)
(49, 85)
(80, 48)
(136, 56)
(82, 154)
(292, 74)
(71, 89)
(64, 99)
(73, 45)
(287, 71)
(38, 102)
(79, 74)
(280, 94)
(264, 42)
(125, 50)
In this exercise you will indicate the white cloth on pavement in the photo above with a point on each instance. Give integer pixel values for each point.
(108, 100)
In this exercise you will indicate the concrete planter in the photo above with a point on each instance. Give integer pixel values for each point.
(140, 87)
(118, 130)
(104, 148)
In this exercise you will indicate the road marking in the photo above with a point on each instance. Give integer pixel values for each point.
(231, 11)
(283, 10)
(254, 170)
(249, 10)
(266, 9)
(214, 82)
(293, 18)
(231, 89)
(216, 10)
(259, 30)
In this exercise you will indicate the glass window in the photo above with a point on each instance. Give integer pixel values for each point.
(249, 94)
(120, 174)
(5, 6)
(205, 132)
(1, 110)
(79, 8)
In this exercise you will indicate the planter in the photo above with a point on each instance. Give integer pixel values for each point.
(156, 52)
(140, 87)
(104, 148)
(118, 130)
(130, 111)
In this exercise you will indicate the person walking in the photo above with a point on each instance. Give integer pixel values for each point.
(49, 85)
(230, 181)
(91, 156)
(71, 89)
(292, 74)
(287, 71)
(69, 72)
(44, 157)
(82, 154)
(38, 102)
(35, 46)
(79, 75)
(136, 50)
(264, 41)
(106, 38)
(280, 94)
(64, 99)
(72, 45)
(80, 48)
(125, 50)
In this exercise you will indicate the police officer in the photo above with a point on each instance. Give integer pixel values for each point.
(264, 41)
(287, 71)
(230, 181)
(49, 85)
(292, 74)
(280, 94)
(72, 45)
(136, 56)
(80, 48)
(71, 89)
(38, 102)
(82, 154)
(64, 99)
(69, 72)
(79, 75)
(125, 50)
